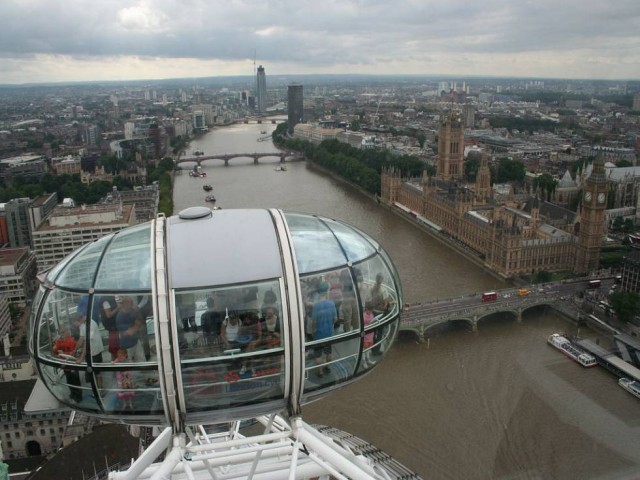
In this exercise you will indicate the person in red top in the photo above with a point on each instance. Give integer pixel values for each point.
(65, 343)
(65, 347)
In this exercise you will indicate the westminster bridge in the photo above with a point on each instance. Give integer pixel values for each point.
(226, 157)
(419, 318)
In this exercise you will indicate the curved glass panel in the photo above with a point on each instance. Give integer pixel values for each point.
(232, 342)
(127, 332)
(330, 363)
(127, 262)
(375, 244)
(58, 327)
(81, 270)
(355, 245)
(315, 245)
(330, 360)
(377, 340)
(55, 271)
(33, 318)
(396, 277)
(128, 391)
(238, 331)
(377, 288)
(70, 386)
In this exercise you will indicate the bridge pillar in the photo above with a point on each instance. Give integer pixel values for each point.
(282, 157)
(226, 162)
(421, 331)
(474, 324)
(520, 315)
(255, 160)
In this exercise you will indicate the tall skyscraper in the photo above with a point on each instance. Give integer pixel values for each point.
(17, 213)
(295, 108)
(261, 88)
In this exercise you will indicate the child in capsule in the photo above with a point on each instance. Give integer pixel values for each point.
(124, 382)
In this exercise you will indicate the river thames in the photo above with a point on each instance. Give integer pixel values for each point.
(497, 403)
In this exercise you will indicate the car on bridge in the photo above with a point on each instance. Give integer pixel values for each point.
(523, 292)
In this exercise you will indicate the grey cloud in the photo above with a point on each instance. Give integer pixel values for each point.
(312, 32)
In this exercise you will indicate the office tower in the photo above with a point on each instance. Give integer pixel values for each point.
(261, 88)
(17, 213)
(90, 135)
(469, 112)
(295, 107)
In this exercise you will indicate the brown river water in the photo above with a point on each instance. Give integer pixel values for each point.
(496, 403)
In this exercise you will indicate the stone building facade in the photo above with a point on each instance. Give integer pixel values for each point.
(512, 236)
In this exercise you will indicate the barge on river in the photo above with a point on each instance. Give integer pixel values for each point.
(563, 344)
(631, 386)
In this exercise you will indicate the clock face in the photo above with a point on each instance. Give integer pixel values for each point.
(601, 198)
(587, 197)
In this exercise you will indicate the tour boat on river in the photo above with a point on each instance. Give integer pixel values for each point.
(207, 188)
(210, 198)
(197, 172)
(631, 386)
(563, 344)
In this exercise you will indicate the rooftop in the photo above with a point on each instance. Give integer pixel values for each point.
(60, 212)
(10, 256)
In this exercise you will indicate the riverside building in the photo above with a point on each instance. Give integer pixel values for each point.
(512, 235)
(68, 228)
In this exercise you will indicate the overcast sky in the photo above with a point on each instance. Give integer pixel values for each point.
(77, 40)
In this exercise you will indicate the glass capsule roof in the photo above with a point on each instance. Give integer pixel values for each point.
(214, 315)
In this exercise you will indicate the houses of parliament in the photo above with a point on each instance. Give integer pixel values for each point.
(512, 234)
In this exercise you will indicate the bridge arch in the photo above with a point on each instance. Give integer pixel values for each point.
(283, 156)
(450, 322)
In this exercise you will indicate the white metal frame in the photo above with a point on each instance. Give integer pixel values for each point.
(285, 450)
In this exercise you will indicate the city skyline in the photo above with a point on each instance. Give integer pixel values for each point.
(48, 41)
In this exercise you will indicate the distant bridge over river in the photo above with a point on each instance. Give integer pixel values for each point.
(471, 309)
(226, 157)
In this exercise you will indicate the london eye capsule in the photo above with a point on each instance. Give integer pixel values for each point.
(210, 316)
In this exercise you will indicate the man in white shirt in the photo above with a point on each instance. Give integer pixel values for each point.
(95, 343)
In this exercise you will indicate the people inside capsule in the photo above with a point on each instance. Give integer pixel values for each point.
(211, 322)
(230, 331)
(269, 300)
(95, 343)
(348, 310)
(367, 319)
(186, 304)
(270, 329)
(64, 347)
(124, 382)
(108, 308)
(129, 324)
(217, 329)
(323, 316)
(380, 302)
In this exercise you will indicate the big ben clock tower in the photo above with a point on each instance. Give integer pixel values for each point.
(593, 205)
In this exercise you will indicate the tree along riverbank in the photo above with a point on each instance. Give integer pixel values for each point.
(361, 170)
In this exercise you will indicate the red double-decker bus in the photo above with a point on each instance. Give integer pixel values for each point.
(489, 296)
